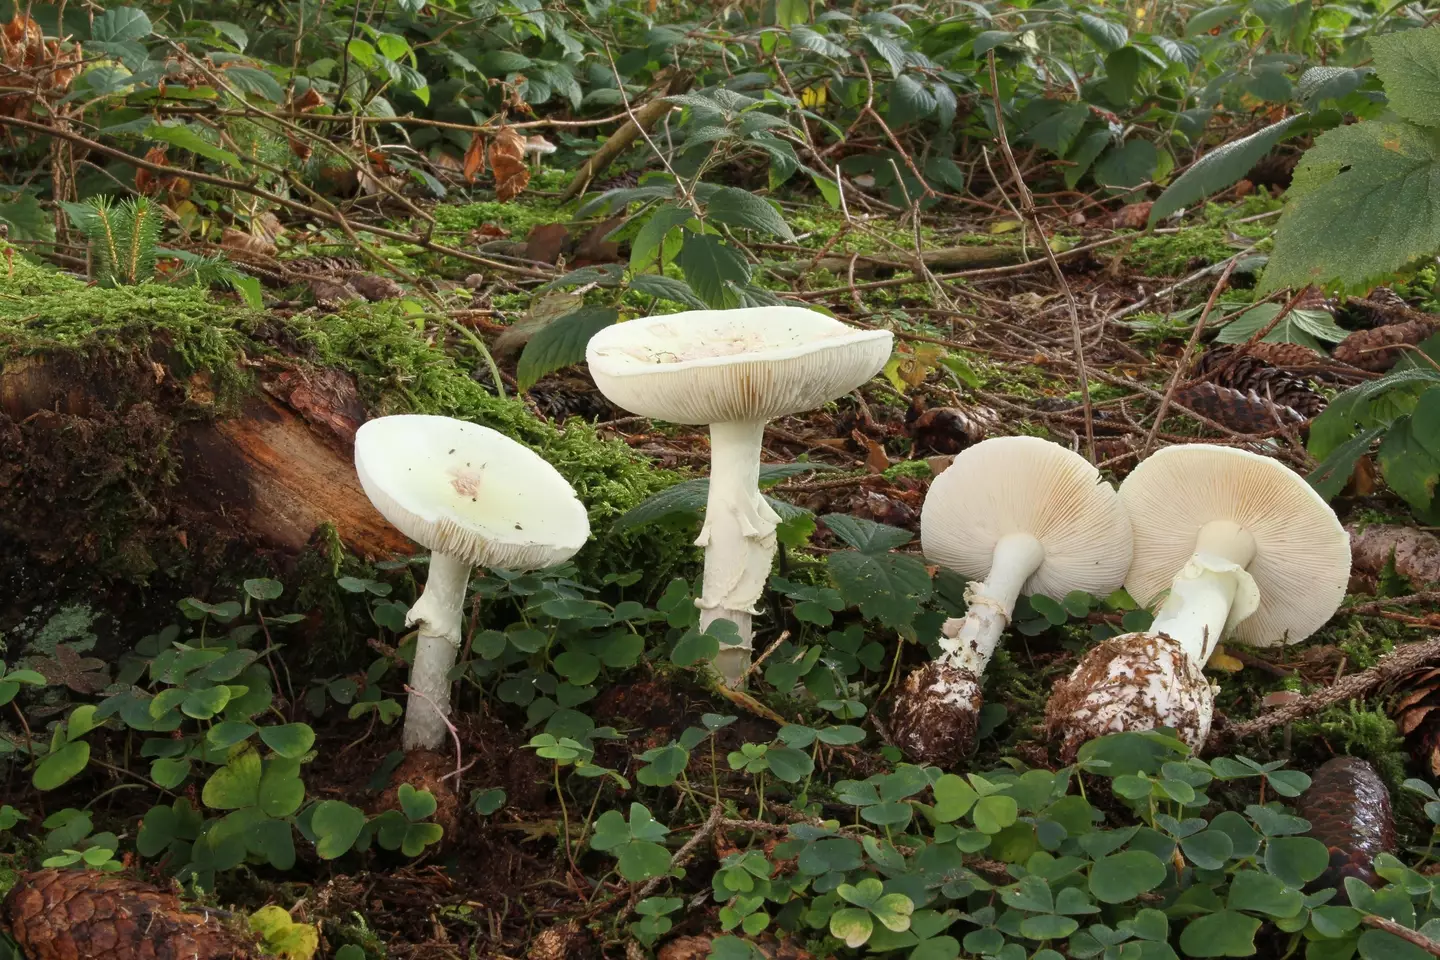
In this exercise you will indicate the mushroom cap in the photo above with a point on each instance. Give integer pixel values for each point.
(469, 492)
(726, 366)
(1302, 553)
(1008, 485)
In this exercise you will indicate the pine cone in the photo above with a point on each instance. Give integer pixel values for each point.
(1245, 412)
(1249, 373)
(1284, 354)
(1417, 718)
(1366, 349)
(89, 915)
(374, 287)
(1384, 307)
(560, 398)
(554, 943)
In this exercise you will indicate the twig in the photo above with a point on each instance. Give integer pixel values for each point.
(1027, 206)
(701, 834)
(784, 635)
(1401, 660)
(1184, 361)
(454, 734)
(1148, 299)
(1410, 936)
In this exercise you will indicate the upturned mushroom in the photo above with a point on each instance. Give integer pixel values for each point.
(1014, 515)
(1245, 548)
(733, 370)
(473, 497)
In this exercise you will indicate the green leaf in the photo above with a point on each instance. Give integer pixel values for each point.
(867, 536)
(1108, 35)
(852, 925)
(1261, 892)
(281, 789)
(561, 343)
(1409, 63)
(1091, 147)
(1296, 860)
(663, 223)
(642, 859)
(1206, 19)
(235, 785)
(893, 911)
(416, 804)
(1124, 876)
(186, 138)
(741, 208)
(1223, 934)
(887, 587)
(1379, 945)
(689, 496)
(1410, 466)
(1307, 327)
(170, 772)
(59, 766)
(264, 589)
(994, 813)
(1048, 927)
(953, 798)
(710, 267)
(910, 100)
(291, 740)
(1122, 69)
(1208, 849)
(789, 764)
(1128, 165)
(666, 288)
(337, 826)
(120, 24)
(1220, 168)
(1356, 205)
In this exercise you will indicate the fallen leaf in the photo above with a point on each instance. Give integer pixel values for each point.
(148, 182)
(81, 674)
(474, 158)
(507, 162)
(546, 242)
(595, 248)
(238, 241)
(875, 459)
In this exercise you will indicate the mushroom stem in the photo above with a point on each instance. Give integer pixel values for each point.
(1202, 599)
(738, 538)
(438, 612)
(969, 644)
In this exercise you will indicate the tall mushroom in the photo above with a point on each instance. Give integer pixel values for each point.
(733, 370)
(1015, 515)
(1245, 547)
(473, 497)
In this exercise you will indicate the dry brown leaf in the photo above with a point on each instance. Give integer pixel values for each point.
(507, 162)
(875, 459)
(147, 182)
(309, 100)
(239, 241)
(474, 158)
(546, 242)
(594, 248)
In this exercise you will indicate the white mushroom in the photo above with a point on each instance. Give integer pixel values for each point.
(1245, 547)
(1014, 515)
(474, 497)
(537, 146)
(733, 370)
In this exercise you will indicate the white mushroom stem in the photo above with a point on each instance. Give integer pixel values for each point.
(969, 644)
(738, 538)
(1211, 593)
(439, 613)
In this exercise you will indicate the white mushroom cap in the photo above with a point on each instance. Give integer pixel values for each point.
(469, 492)
(732, 366)
(538, 145)
(1301, 562)
(1025, 485)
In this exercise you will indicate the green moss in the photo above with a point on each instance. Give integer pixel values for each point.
(1361, 732)
(1173, 254)
(517, 218)
(915, 469)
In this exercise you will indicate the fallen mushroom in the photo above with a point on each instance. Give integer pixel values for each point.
(473, 497)
(733, 370)
(1245, 548)
(1016, 515)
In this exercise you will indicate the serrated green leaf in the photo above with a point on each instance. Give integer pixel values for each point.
(886, 587)
(867, 536)
(1220, 168)
(120, 24)
(741, 208)
(1357, 210)
(1108, 35)
(711, 267)
(561, 343)
(663, 223)
(1409, 63)
(1128, 165)
(910, 100)
(186, 138)
(666, 288)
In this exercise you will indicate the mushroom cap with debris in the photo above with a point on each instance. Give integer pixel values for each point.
(469, 492)
(703, 367)
(1302, 553)
(1025, 485)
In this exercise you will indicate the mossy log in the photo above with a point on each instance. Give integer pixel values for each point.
(150, 428)
(260, 471)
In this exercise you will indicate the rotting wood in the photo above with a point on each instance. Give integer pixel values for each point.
(269, 473)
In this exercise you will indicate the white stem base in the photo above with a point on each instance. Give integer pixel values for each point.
(738, 538)
(438, 613)
(969, 644)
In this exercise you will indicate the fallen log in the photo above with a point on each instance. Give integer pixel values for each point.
(121, 460)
